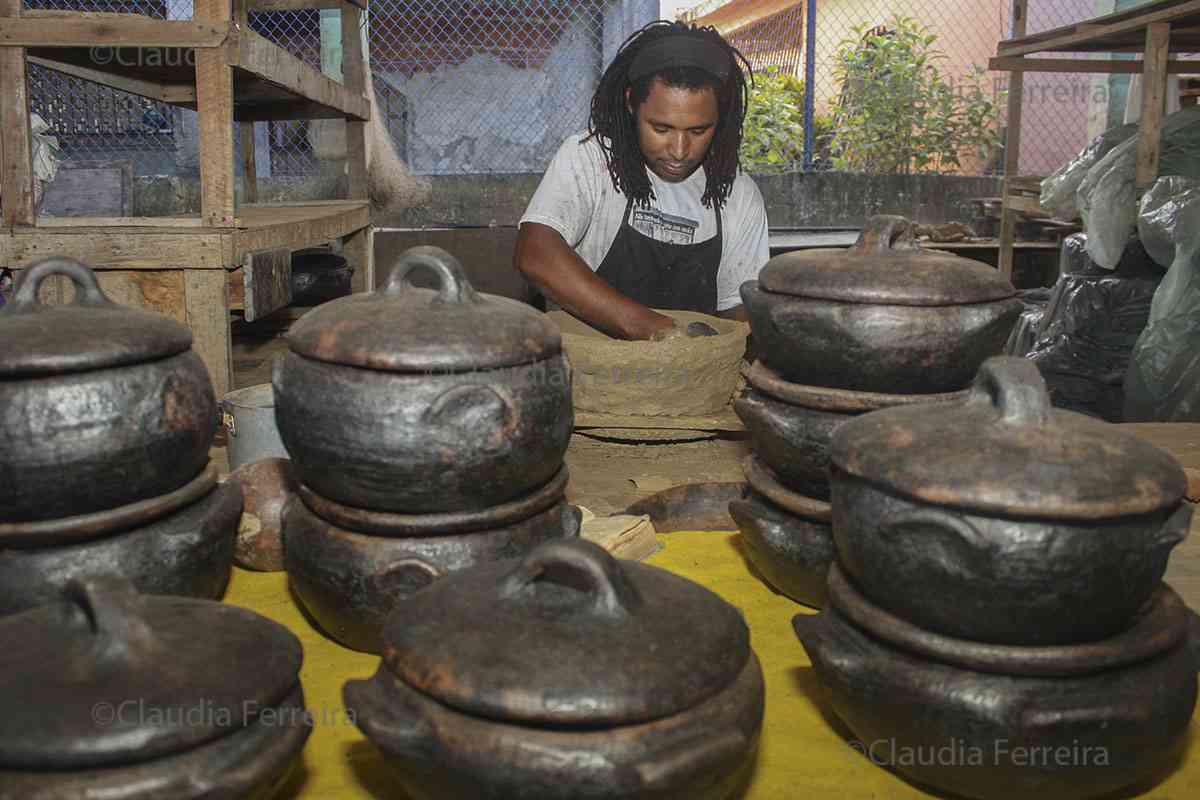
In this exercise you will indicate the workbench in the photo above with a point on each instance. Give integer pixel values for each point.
(1155, 30)
(804, 750)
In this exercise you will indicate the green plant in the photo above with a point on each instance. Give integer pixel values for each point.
(773, 131)
(896, 113)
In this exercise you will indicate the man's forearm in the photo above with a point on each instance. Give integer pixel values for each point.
(546, 260)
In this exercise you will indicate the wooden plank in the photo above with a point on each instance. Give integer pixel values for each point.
(266, 282)
(311, 204)
(131, 30)
(16, 149)
(1154, 89)
(126, 222)
(1135, 21)
(300, 5)
(1020, 64)
(142, 88)
(1092, 23)
(214, 105)
(305, 232)
(263, 58)
(249, 163)
(103, 248)
(206, 304)
(86, 189)
(354, 76)
(1012, 150)
(359, 251)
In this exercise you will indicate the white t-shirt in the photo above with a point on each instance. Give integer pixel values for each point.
(576, 198)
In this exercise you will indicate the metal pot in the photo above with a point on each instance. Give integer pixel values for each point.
(1073, 722)
(350, 581)
(573, 684)
(420, 401)
(187, 552)
(1003, 520)
(883, 316)
(100, 405)
(113, 694)
(791, 552)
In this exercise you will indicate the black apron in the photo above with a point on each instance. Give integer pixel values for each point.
(679, 277)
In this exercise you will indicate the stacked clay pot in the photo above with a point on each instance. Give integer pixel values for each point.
(427, 429)
(997, 595)
(106, 420)
(841, 333)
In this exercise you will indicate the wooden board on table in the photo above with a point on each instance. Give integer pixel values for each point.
(266, 282)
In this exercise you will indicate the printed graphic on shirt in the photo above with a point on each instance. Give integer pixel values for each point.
(663, 227)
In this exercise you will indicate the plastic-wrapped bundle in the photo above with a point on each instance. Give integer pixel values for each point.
(1107, 197)
(1090, 326)
(1058, 190)
(1158, 211)
(1024, 333)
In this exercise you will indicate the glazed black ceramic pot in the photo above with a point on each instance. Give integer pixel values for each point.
(187, 552)
(419, 401)
(1001, 519)
(350, 581)
(883, 316)
(1111, 715)
(573, 684)
(113, 694)
(791, 552)
(100, 405)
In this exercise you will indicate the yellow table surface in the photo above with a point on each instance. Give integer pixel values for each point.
(801, 754)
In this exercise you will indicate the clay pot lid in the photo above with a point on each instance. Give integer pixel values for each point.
(887, 266)
(89, 333)
(1005, 450)
(402, 328)
(567, 636)
(111, 677)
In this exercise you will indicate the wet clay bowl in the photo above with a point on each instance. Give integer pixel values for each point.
(1001, 519)
(882, 316)
(421, 401)
(111, 693)
(993, 736)
(791, 552)
(188, 552)
(573, 684)
(350, 581)
(101, 405)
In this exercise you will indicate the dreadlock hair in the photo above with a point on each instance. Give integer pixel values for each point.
(614, 126)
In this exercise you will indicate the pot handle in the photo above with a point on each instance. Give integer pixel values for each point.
(460, 402)
(1015, 387)
(453, 286)
(886, 233)
(29, 281)
(670, 767)
(579, 564)
(1177, 526)
(964, 537)
(123, 640)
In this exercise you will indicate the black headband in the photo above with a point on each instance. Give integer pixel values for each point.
(683, 50)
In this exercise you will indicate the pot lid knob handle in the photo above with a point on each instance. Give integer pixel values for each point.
(1015, 387)
(123, 640)
(453, 286)
(579, 565)
(29, 281)
(886, 233)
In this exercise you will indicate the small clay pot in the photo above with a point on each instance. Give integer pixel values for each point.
(351, 581)
(791, 552)
(188, 552)
(267, 486)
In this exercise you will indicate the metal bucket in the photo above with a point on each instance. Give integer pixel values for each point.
(249, 418)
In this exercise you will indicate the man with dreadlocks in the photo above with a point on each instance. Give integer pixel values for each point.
(648, 209)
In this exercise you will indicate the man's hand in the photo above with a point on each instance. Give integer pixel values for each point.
(691, 331)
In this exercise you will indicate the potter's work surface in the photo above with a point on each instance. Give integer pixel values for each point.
(801, 755)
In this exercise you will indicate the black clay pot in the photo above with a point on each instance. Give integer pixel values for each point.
(791, 552)
(319, 276)
(351, 581)
(187, 552)
(573, 684)
(990, 735)
(100, 405)
(883, 316)
(1003, 520)
(418, 401)
(792, 440)
(113, 694)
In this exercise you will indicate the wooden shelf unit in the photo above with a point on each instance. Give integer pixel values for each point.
(228, 74)
(1155, 30)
